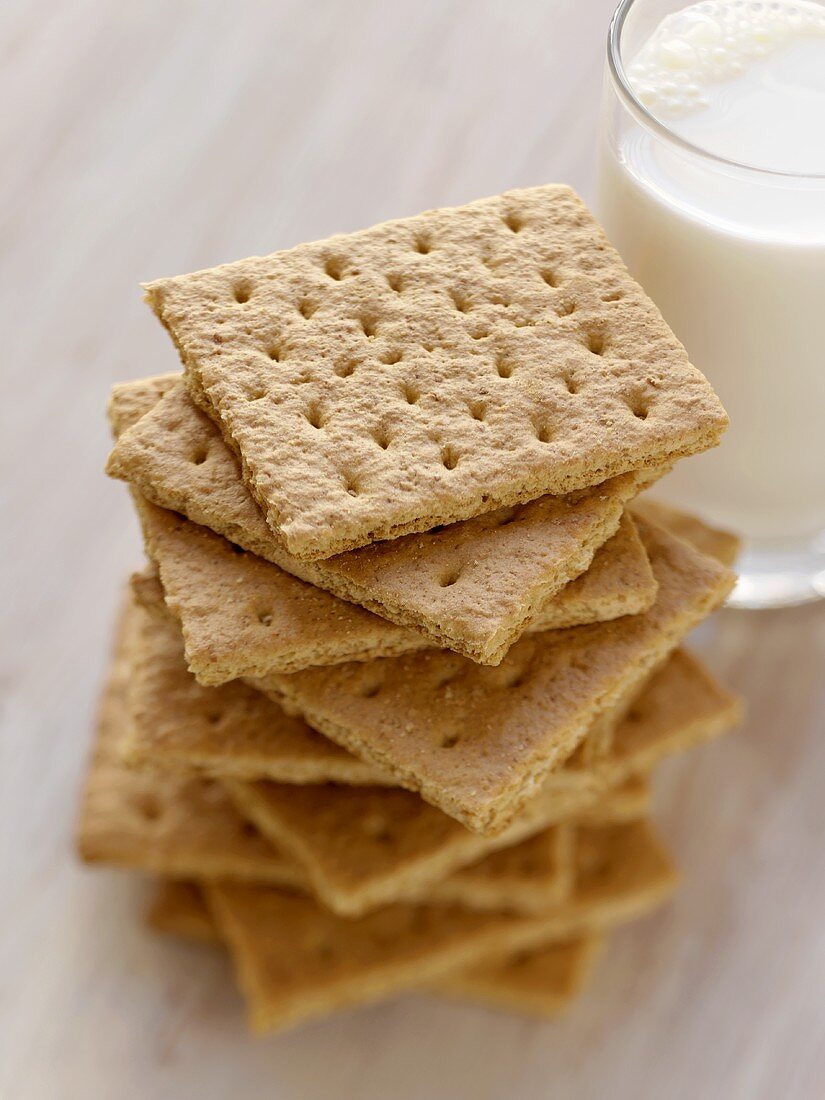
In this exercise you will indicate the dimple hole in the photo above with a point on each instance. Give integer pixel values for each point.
(334, 268)
(513, 223)
(549, 277)
(200, 456)
(461, 303)
(395, 283)
(351, 486)
(391, 357)
(449, 578)
(544, 433)
(314, 416)
(242, 292)
(595, 343)
(449, 458)
(478, 410)
(422, 245)
(449, 741)
(570, 383)
(639, 407)
(410, 393)
(504, 369)
(368, 326)
(346, 368)
(306, 307)
(381, 438)
(275, 353)
(370, 690)
(613, 296)
(564, 309)
(265, 618)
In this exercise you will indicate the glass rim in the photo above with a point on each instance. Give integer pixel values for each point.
(628, 97)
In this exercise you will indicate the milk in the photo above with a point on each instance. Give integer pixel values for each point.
(734, 258)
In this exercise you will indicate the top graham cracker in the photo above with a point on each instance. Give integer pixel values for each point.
(430, 369)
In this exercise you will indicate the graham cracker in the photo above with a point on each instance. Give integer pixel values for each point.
(540, 982)
(165, 825)
(230, 730)
(241, 616)
(426, 370)
(514, 566)
(168, 826)
(295, 960)
(162, 823)
(360, 850)
(364, 846)
(719, 544)
(478, 741)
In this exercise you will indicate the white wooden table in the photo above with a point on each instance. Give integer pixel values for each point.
(154, 137)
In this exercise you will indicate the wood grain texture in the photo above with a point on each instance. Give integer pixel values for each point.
(145, 139)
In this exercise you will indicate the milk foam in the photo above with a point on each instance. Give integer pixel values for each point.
(714, 41)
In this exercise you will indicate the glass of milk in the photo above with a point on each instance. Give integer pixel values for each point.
(712, 187)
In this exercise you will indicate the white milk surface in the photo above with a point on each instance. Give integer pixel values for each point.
(735, 258)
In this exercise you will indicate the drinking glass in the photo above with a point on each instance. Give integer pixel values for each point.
(734, 256)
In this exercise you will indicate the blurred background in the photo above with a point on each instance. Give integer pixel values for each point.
(148, 139)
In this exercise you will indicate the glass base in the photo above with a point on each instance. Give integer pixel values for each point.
(779, 573)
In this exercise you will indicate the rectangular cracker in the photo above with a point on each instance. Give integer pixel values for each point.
(364, 846)
(427, 370)
(235, 731)
(513, 565)
(242, 617)
(541, 982)
(477, 741)
(295, 960)
(163, 823)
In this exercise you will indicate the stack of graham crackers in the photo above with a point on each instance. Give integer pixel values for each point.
(384, 705)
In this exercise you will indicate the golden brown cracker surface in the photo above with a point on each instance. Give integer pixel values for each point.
(514, 566)
(477, 742)
(295, 960)
(159, 822)
(426, 370)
